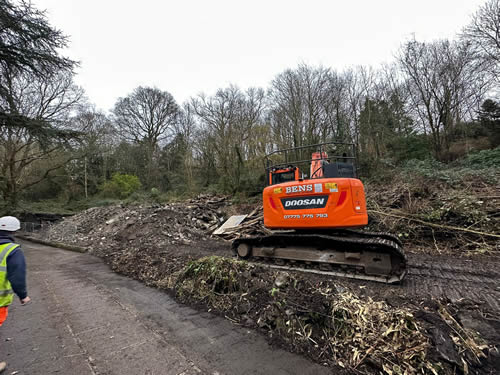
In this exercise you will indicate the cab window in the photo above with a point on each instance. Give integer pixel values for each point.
(278, 178)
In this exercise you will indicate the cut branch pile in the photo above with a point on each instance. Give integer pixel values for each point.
(447, 229)
(397, 214)
(329, 323)
(433, 217)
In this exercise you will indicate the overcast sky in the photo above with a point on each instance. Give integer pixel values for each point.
(191, 46)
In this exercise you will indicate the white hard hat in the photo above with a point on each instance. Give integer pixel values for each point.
(10, 223)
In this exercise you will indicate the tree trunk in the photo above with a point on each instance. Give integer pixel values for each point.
(10, 196)
(85, 177)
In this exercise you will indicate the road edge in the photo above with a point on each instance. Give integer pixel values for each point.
(59, 245)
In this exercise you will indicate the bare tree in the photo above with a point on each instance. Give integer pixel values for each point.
(33, 128)
(336, 111)
(483, 33)
(97, 141)
(445, 86)
(395, 89)
(227, 120)
(359, 84)
(311, 105)
(299, 99)
(178, 156)
(147, 117)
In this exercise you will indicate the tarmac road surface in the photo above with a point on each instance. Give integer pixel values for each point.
(85, 319)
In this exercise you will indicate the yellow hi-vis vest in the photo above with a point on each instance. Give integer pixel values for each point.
(6, 292)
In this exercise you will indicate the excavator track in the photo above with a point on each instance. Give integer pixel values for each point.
(345, 253)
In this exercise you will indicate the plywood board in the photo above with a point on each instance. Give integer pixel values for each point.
(232, 222)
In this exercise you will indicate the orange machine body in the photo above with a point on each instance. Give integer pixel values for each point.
(315, 203)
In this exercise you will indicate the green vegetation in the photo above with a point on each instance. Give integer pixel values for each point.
(120, 186)
(483, 166)
(210, 278)
(484, 159)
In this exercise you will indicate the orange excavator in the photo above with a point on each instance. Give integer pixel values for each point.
(314, 218)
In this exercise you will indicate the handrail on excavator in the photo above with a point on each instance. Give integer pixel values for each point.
(321, 146)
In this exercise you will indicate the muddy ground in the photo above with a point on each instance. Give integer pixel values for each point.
(448, 302)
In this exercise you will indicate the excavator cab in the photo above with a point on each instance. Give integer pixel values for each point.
(340, 167)
(281, 175)
(321, 166)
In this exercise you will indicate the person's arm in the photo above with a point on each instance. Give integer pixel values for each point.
(16, 273)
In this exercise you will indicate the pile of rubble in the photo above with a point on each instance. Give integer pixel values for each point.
(159, 225)
(156, 225)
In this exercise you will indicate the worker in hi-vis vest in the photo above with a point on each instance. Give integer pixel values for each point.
(12, 269)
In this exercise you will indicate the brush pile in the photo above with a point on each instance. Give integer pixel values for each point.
(433, 217)
(328, 323)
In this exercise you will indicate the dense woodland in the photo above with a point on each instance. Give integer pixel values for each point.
(437, 100)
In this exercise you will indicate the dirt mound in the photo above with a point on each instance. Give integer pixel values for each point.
(141, 225)
(146, 241)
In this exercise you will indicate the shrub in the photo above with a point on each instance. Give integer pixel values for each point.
(484, 159)
(120, 186)
(407, 148)
(484, 168)
(155, 193)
